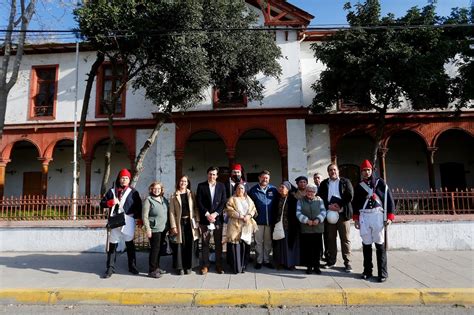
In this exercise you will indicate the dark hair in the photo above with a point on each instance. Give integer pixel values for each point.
(332, 164)
(189, 182)
(212, 168)
(264, 172)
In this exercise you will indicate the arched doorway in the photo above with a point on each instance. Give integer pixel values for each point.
(204, 149)
(257, 150)
(23, 174)
(120, 159)
(454, 160)
(406, 162)
(351, 151)
(60, 176)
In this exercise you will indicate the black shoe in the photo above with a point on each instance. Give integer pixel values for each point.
(161, 271)
(188, 271)
(382, 279)
(309, 270)
(108, 273)
(180, 272)
(269, 265)
(366, 276)
(258, 266)
(348, 268)
(329, 266)
(133, 270)
(154, 274)
(317, 271)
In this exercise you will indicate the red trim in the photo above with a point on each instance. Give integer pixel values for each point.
(100, 92)
(34, 91)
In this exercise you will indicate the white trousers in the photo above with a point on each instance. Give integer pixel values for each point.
(263, 243)
(126, 232)
(371, 227)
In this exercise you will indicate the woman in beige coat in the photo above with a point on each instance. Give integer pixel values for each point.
(184, 223)
(240, 210)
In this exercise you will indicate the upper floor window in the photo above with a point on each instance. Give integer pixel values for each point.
(44, 88)
(350, 106)
(107, 83)
(229, 95)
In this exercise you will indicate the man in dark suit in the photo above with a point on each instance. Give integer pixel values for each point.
(211, 200)
(337, 193)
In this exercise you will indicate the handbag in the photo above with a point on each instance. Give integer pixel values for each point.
(279, 231)
(116, 219)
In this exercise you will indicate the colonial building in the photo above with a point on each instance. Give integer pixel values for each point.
(421, 150)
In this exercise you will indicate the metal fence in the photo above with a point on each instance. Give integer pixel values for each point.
(434, 202)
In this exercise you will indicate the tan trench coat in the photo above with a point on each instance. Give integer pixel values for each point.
(175, 214)
(234, 226)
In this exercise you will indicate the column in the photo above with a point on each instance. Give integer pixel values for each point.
(179, 156)
(430, 152)
(284, 162)
(382, 154)
(3, 166)
(44, 175)
(230, 152)
(88, 163)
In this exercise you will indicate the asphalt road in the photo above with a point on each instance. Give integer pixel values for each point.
(327, 310)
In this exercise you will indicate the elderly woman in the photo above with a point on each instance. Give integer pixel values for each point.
(286, 251)
(240, 210)
(155, 217)
(184, 223)
(311, 213)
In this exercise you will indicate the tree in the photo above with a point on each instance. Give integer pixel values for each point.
(15, 22)
(379, 63)
(181, 48)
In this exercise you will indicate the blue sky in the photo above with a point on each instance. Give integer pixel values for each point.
(331, 11)
(57, 14)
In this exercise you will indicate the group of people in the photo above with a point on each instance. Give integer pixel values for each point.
(299, 225)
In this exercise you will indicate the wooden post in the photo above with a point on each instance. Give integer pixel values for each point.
(430, 152)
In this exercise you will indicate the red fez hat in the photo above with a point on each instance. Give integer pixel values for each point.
(365, 164)
(125, 172)
(237, 167)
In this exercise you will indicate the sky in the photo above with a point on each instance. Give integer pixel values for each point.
(57, 14)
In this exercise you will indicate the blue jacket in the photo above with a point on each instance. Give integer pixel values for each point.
(264, 202)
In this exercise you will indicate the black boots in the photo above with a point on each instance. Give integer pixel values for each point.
(132, 260)
(111, 257)
(381, 262)
(367, 251)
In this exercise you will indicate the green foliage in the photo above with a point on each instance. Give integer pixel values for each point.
(174, 50)
(379, 61)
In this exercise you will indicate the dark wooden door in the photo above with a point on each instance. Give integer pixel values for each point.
(32, 183)
(452, 176)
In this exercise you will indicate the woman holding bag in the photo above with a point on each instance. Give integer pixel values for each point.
(155, 218)
(240, 210)
(184, 231)
(286, 249)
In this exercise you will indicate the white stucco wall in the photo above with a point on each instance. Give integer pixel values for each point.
(318, 147)
(456, 235)
(297, 153)
(310, 72)
(160, 163)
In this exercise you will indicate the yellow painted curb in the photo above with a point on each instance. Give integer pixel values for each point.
(227, 297)
(231, 297)
(40, 296)
(309, 297)
(158, 297)
(448, 296)
(372, 296)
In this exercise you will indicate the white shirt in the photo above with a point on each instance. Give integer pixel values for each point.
(333, 189)
(212, 188)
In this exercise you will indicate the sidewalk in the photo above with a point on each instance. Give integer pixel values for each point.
(415, 278)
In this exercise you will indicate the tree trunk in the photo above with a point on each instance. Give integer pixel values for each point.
(160, 120)
(3, 109)
(85, 108)
(378, 135)
(108, 153)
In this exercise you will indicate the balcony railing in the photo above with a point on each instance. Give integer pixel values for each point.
(39, 208)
